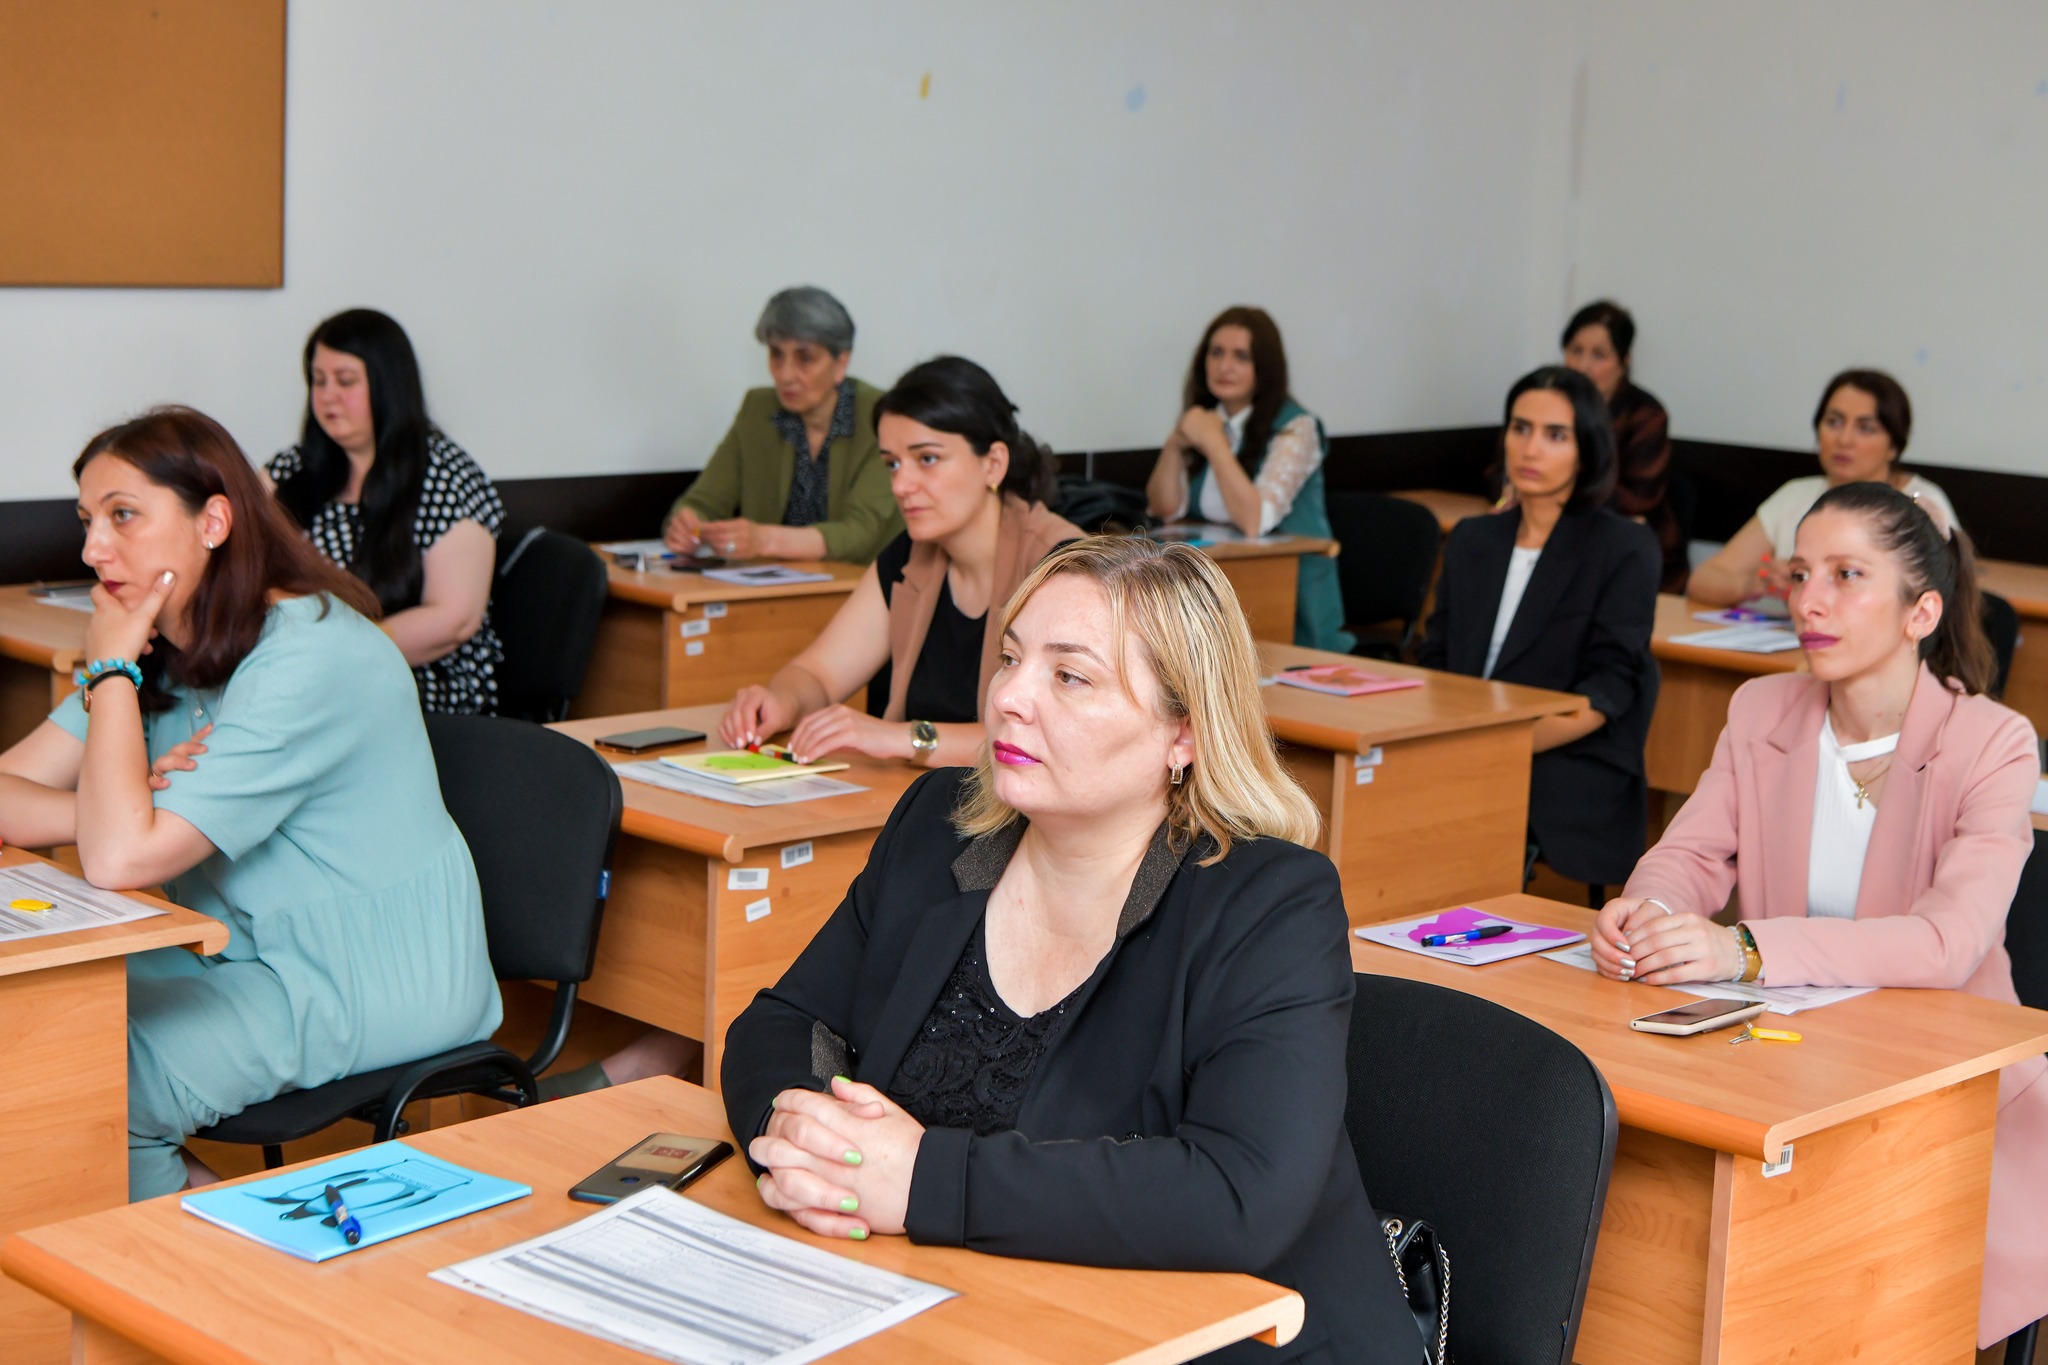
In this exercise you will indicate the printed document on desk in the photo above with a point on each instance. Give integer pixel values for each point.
(1753, 639)
(73, 903)
(655, 773)
(1781, 999)
(1521, 938)
(766, 576)
(662, 1274)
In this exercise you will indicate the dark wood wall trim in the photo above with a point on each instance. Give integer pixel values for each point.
(2004, 512)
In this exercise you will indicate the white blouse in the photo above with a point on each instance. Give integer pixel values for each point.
(1841, 827)
(1294, 453)
(1521, 564)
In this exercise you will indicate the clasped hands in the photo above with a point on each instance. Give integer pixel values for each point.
(1636, 938)
(838, 1163)
(1200, 431)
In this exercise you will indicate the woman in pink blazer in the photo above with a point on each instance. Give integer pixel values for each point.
(1873, 815)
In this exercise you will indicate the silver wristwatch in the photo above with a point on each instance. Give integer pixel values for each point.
(924, 739)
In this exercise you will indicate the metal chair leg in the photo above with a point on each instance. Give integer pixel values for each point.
(273, 1156)
(2019, 1347)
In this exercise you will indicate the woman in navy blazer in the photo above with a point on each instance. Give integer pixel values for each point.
(1089, 1000)
(1559, 591)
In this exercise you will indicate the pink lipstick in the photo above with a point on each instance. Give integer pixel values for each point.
(1011, 754)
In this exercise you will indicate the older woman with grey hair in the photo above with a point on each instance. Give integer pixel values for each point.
(799, 474)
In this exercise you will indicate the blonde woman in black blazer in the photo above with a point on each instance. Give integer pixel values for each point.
(1089, 1000)
(1580, 584)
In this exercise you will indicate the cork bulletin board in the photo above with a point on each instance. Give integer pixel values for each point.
(142, 143)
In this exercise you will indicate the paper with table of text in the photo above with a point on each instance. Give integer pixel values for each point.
(790, 789)
(1781, 999)
(37, 900)
(662, 1274)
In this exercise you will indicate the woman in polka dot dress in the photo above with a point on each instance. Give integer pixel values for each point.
(386, 496)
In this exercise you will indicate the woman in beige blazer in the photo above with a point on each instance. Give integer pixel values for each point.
(1873, 815)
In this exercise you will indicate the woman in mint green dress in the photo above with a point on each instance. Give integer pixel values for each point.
(1244, 453)
(248, 738)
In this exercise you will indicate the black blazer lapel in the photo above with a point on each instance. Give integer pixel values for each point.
(934, 951)
(1555, 569)
(1484, 574)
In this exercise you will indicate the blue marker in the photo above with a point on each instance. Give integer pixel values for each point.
(351, 1230)
(1459, 940)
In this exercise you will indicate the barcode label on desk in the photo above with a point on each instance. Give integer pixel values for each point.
(747, 879)
(1371, 758)
(693, 647)
(714, 610)
(796, 855)
(1363, 777)
(692, 629)
(757, 909)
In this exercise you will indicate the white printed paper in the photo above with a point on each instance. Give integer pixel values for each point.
(766, 576)
(1757, 639)
(782, 792)
(74, 904)
(796, 855)
(662, 1274)
(758, 909)
(1781, 999)
(747, 879)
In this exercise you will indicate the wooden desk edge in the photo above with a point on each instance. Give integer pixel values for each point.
(177, 927)
(1358, 739)
(631, 585)
(109, 1305)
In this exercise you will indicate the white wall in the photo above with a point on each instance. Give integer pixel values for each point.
(577, 210)
(1779, 191)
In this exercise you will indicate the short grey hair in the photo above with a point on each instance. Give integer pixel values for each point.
(806, 313)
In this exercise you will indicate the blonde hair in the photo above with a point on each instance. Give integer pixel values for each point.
(1176, 605)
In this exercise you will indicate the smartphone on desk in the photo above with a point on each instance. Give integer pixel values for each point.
(1701, 1016)
(658, 1159)
(640, 741)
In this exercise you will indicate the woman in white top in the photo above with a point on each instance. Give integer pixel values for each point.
(1245, 454)
(1861, 428)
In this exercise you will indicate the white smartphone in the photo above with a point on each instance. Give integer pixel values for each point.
(1701, 1016)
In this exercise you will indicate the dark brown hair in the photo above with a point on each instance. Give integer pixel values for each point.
(1269, 379)
(192, 455)
(1592, 432)
(1621, 327)
(1894, 409)
(1928, 562)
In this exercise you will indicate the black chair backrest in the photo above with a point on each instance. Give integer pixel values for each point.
(545, 607)
(1389, 555)
(2026, 928)
(1501, 1134)
(540, 813)
(2002, 628)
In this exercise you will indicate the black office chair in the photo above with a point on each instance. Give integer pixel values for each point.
(545, 607)
(2002, 628)
(2026, 943)
(540, 813)
(1521, 1249)
(1384, 570)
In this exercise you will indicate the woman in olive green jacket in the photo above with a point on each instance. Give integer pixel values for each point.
(798, 475)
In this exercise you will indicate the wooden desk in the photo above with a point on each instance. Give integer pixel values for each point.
(41, 646)
(64, 1085)
(2026, 587)
(1692, 703)
(1450, 508)
(1424, 792)
(153, 1283)
(1870, 1247)
(1267, 579)
(680, 948)
(644, 659)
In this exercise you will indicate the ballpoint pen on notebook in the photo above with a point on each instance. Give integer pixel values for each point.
(344, 1221)
(1467, 936)
(772, 751)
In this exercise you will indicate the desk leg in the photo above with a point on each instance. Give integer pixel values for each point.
(1266, 589)
(1692, 709)
(63, 1123)
(1444, 819)
(746, 645)
(92, 1344)
(751, 949)
(1869, 1249)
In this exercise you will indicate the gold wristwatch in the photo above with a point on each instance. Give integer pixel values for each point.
(1752, 957)
(924, 741)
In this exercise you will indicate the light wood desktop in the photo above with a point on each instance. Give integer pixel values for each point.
(681, 639)
(2026, 587)
(41, 646)
(683, 949)
(1869, 1247)
(64, 1087)
(1424, 792)
(153, 1283)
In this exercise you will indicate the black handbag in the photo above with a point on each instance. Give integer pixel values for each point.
(1423, 1267)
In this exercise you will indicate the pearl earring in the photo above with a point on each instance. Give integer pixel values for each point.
(207, 543)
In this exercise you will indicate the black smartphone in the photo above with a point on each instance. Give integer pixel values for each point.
(658, 1159)
(639, 741)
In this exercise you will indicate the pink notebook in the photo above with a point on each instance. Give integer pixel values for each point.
(1343, 680)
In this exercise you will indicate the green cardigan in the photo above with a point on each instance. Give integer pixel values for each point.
(750, 472)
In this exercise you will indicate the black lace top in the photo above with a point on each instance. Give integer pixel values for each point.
(974, 1057)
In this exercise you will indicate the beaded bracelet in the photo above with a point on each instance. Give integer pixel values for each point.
(99, 670)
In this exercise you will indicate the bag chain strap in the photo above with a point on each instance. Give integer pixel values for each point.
(1391, 1228)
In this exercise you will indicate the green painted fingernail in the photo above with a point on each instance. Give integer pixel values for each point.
(858, 1234)
(759, 1179)
(852, 1157)
(849, 1204)
(847, 1079)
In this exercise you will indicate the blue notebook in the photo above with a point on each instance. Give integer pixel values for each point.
(392, 1189)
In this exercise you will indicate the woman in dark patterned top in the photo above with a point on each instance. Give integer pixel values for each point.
(389, 498)
(1596, 343)
(1089, 999)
